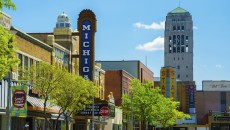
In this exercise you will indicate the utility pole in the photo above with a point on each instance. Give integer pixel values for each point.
(9, 102)
(93, 114)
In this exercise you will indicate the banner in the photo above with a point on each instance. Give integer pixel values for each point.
(19, 104)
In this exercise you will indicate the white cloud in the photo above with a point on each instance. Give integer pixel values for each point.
(154, 26)
(195, 27)
(155, 45)
(218, 66)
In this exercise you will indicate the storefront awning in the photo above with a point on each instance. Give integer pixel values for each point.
(37, 104)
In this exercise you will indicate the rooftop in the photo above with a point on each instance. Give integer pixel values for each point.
(179, 10)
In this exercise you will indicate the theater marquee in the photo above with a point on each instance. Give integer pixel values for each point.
(87, 29)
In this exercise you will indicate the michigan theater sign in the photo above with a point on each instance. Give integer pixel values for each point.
(87, 29)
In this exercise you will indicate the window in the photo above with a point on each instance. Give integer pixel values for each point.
(174, 39)
(178, 76)
(178, 39)
(170, 39)
(174, 28)
(182, 39)
(178, 28)
(62, 25)
(170, 48)
(178, 49)
(182, 28)
(174, 58)
(67, 24)
(186, 76)
(174, 49)
(223, 101)
(25, 61)
(186, 38)
(20, 58)
(186, 48)
(182, 49)
(178, 58)
(186, 67)
(178, 67)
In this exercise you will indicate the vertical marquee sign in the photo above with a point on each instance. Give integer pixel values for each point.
(87, 29)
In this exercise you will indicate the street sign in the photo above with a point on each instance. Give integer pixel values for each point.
(104, 111)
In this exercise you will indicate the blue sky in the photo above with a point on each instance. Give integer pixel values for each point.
(126, 26)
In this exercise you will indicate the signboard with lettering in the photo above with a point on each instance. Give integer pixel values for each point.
(19, 104)
(87, 29)
(191, 120)
(209, 85)
(86, 70)
(98, 110)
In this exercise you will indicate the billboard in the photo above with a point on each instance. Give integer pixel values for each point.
(218, 85)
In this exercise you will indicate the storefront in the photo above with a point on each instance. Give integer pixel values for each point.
(219, 122)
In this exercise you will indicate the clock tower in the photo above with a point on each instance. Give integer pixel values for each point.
(178, 43)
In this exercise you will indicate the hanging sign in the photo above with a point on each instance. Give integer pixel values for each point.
(19, 104)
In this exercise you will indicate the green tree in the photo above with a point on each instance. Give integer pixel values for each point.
(45, 79)
(8, 4)
(147, 104)
(7, 52)
(73, 95)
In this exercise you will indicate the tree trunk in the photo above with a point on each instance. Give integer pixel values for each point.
(143, 125)
(67, 124)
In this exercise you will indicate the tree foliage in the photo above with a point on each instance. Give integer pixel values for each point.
(7, 52)
(148, 105)
(73, 95)
(8, 4)
(59, 87)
